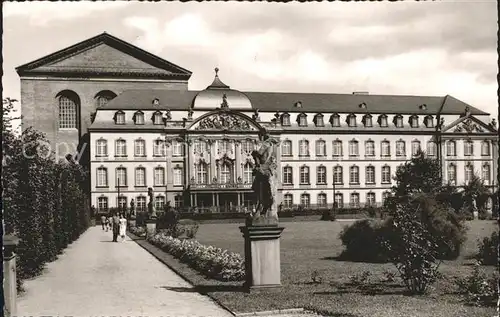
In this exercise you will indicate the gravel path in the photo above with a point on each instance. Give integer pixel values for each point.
(96, 277)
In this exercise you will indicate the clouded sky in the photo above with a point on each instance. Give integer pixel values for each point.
(410, 48)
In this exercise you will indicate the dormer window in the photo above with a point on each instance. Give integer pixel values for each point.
(138, 117)
(362, 105)
(319, 120)
(157, 118)
(335, 120)
(298, 104)
(285, 119)
(156, 102)
(302, 120)
(429, 121)
(398, 121)
(382, 121)
(423, 107)
(413, 121)
(119, 117)
(351, 120)
(367, 120)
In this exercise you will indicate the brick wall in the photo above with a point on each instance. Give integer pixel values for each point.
(39, 105)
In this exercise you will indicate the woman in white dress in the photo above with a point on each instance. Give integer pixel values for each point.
(123, 227)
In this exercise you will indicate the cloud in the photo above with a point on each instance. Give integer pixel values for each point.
(42, 13)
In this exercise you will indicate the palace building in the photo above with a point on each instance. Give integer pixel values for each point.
(144, 129)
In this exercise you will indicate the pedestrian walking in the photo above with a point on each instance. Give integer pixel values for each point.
(116, 226)
(110, 222)
(123, 227)
(103, 222)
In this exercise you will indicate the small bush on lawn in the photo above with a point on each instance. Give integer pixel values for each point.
(414, 249)
(488, 250)
(213, 262)
(328, 215)
(363, 241)
(477, 288)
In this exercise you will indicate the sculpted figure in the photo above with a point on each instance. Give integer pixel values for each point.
(265, 182)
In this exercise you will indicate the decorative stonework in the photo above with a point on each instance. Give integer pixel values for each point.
(469, 127)
(224, 121)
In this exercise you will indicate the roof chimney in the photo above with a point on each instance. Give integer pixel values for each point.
(360, 93)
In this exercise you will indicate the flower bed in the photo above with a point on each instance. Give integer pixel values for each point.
(213, 262)
(138, 231)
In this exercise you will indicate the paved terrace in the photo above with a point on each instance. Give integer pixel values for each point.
(96, 277)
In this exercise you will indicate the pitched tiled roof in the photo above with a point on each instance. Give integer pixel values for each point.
(164, 67)
(311, 102)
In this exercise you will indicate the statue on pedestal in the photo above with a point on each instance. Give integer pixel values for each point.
(151, 209)
(265, 182)
(132, 208)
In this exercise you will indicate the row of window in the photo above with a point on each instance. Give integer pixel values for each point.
(354, 202)
(338, 175)
(351, 120)
(140, 176)
(385, 148)
(159, 149)
(140, 202)
(224, 146)
(469, 173)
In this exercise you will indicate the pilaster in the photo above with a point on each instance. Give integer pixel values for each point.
(213, 155)
(237, 154)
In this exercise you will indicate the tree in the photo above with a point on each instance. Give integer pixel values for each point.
(420, 175)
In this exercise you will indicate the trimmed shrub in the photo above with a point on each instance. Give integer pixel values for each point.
(363, 241)
(212, 262)
(328, 215)
(488, 250)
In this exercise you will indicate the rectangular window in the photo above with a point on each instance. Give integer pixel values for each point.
(286, 148)
(121, 176)
(140, 148)
(304, 175)
(178, 177)
(337, 148)
(385, 148)
(288, 200)
(386, 175)
(370, 148)
(159, 176)
(320, 148)
(339, 200)
(415, 147)
(468, 148)
(140, 177)
(354, 175)
(353, 148)
(122, 203)
(305, 200)
(321, 200)
(337, 175)
(121, 148)
(141, 203)
(287, 175)
(370, 175)
(102, 204)
(160, 202)
(177, 148)
(370, 199)
(102, 177)
(159, 148)
(101, 148)
(354, 200)
(321, 175)
(400, 148)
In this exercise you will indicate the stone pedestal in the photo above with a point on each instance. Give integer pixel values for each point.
(132, 223)
(150, 228)
(9, 277)
(262, 255)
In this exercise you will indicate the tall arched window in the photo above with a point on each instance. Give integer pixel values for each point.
(303, 148)
(69, 105)
(225, 173)
(201, 173)
(304, 175)
(286, 148)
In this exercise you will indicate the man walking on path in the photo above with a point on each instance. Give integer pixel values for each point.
(116, 226)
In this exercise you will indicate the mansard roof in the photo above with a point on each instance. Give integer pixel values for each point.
(311, 102)
(103, 55)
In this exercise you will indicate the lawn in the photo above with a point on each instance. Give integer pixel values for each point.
(314, 246)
